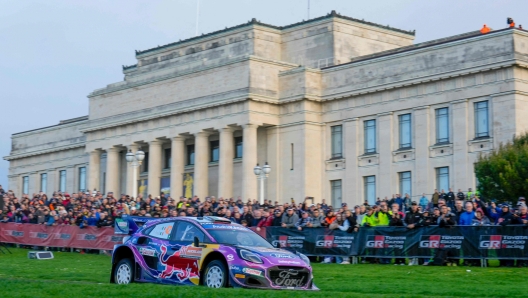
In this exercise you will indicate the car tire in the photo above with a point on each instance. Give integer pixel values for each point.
(215, 275)
(124, 272)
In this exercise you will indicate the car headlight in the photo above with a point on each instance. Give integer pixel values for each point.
(304, 258)
(250, 257)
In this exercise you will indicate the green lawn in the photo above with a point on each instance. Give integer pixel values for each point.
(74, 275)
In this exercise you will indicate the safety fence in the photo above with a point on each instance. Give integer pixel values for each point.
(468, 242)
(59, 236)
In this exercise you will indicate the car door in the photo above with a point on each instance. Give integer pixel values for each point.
(181, 259)
(149, 247)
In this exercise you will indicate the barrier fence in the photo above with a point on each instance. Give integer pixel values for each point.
(468, 242)
(59, 236)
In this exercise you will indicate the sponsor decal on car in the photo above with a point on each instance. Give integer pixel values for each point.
(230, 257)
(289, 279)
(191, 252)
(289, 262)
(240, 276)
(234, 268)
(282, 256)
(252, 271)
(173, 265)
(147, 251)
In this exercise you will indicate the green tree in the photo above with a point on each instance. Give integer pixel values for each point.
(503, 173)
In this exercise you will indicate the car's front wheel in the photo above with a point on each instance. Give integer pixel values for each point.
(123, 272)
(215, 275)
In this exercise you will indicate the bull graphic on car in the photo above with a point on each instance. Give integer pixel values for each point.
(208, 251)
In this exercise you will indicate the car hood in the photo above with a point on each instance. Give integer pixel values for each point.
(277, 256)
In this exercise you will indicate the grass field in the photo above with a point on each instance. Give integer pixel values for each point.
(75, 275)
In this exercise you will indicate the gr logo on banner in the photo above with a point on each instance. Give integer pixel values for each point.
(288, 241)
(375, 242)
(490, 242)
(432, 241)
(325, 241)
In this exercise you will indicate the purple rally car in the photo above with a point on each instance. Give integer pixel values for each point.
(211, 251)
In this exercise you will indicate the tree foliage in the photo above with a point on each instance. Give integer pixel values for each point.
(503, 173)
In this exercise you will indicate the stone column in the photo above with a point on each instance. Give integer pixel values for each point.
(112, 171)
(201, 164)
(154, 168)
(421, 176)
(94, 168)
(177, 166)
(351, 189)
(461, 176)
(249, 161)
(130, 172)
(225, 167)
(385, 183)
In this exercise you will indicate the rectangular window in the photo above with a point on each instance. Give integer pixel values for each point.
(370, 136)
(405, 131)
(336, 193)
(442, 178)
(215, 150)
(44, 183)
(146, 162)
(337, 141)
(190, 155)
(405, 183)
(168, 158)
(82, 179)
(370, 189)
(481, 119)
(442, 125)
(62, 180)
(25, 185)
(238, 147)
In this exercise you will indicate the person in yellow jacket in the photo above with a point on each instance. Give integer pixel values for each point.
(383, 214)
(370, 219)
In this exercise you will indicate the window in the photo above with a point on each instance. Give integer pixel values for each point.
(370, 136)
(405, 131)
(146, 162)
(215, 150)
(168, 158)
(442, 178)
(336, 193)
(442, 125)
(190, 155)
(185, 232)
(238, 147)
(405, 183)
(162, 231)
(44, 183)
(62, 180)
(481, 120)
(337, 141)
(82, 179)
(370, 189)
(25, 185)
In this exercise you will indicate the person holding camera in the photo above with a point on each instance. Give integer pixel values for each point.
(370, 220)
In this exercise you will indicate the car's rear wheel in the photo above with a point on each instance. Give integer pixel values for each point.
(123, 272)
(215, 275)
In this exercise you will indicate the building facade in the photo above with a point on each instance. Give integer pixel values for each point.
(341, 109)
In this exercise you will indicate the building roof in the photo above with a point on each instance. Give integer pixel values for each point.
(254, 21)
(61, 122)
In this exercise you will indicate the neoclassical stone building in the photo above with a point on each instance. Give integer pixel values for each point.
(340, 108)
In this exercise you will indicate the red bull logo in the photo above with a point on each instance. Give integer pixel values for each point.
(175, 264)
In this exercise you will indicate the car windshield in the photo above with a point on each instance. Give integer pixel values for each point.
(238, 237)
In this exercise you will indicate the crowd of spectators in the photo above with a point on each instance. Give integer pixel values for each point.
(96, 209)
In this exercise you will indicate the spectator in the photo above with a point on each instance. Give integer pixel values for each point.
(505, 217)
(383, 215)
(424, 202)
(446, 219)
(460, 195)
(480, 219)
(435, 197)
(329, 219)
(413, 218)
(289, 219)
(370, 220)
(450, 199)
(317, 219)
(466, 218)
(304, 222)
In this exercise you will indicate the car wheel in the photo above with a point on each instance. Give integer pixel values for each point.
(123, 272)
(215, 275)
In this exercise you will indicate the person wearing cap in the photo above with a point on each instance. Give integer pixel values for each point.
(413, 217)
(370, 220)
(304, 222)
(289, 218)
(506, 216)
(277, 218)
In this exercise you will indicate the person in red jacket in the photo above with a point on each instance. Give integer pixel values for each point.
(266, 221)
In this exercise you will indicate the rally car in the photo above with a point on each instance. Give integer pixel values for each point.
(208, 251)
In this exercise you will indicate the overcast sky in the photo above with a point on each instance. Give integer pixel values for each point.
(54, 53)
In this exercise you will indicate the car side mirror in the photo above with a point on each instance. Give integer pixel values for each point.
(196, 242)
(143, 240)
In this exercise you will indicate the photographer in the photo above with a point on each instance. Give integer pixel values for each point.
(446, 219)
(520, 217)
(370, 220)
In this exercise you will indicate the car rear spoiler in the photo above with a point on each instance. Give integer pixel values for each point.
(128, 225)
